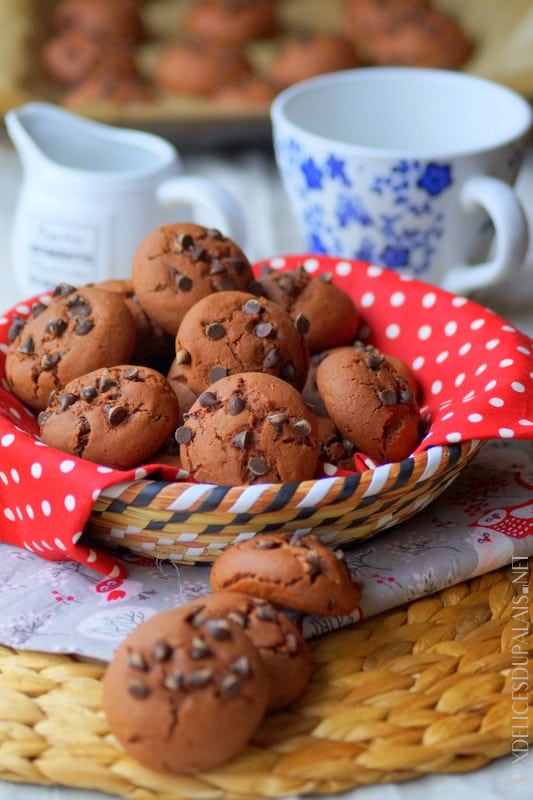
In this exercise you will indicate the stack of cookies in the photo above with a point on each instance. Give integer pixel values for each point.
(197, 362)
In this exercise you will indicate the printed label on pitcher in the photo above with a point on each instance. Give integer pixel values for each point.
(62, 252)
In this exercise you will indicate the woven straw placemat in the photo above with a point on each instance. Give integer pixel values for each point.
(425, 688)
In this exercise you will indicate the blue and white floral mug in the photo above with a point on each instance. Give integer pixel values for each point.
(408, 168)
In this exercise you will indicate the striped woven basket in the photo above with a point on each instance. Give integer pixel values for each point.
(194, 522)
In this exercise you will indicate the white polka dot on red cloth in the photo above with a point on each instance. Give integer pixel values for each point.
(424, 332)
(492, 344)
(516, 386)
(368, 299)
(397, 299)
(343, 268)
(36, 470)
(475, 417)
(418, 362)
(67, 466)
(311, 264)
(429, 300)
(497, 402)
(465, 348)
(7, 440)
(392, 331)
(46, 508)
(506, 433)
(450, 328)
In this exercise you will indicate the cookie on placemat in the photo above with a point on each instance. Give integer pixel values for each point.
(299, 573)
(249, 428)
(277, 638)
(185, 694)
(178, 264)
(333, 317)
(79, 331)
(231, 332)
(118, 416)
(370, 403)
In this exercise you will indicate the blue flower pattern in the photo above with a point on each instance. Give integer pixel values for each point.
(414, 187)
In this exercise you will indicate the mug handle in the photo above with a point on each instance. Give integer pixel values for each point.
(511, 235)
(219, 207)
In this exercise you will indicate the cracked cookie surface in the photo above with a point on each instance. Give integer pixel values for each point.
(299, 573)
(185, 693)
(231, 332)
(176, 265)
(117, 416)
(79, 331)
(249, 428)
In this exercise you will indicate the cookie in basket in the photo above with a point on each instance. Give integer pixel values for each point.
(233, 22)
(231, 332)
(279, 641)
(117, 416)
(198, 67)
(119, 20)
(79, 331)
(184, 694)
(178, 264)
(305, 54)
(249, 428)
(299, 573)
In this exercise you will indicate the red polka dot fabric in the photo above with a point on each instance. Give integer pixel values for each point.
(475, 371)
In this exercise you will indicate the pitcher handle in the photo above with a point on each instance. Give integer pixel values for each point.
(214, 206)
(511, 235)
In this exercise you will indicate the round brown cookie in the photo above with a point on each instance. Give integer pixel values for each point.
(299, 573)
(253, 90)
(233, 22)
(118, 416)
(176, 265)
(79, 331)
(70, 56)
(332, 447)
(119, 19)
(178, 380)
(362, 18)
(249, 428)
(277, 638)
(184, 694)
(198, 67)
(430, 38)
(370, 403)
(154, 348)
(231, 332)
(333, 318)
(305, 54)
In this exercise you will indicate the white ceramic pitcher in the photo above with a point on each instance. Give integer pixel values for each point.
(91, 192)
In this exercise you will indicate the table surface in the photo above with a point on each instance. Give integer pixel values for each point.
(271, 231)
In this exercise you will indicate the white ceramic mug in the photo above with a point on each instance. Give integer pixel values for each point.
(91, 192)
(408, 168)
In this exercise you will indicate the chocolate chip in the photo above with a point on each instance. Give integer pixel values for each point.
(215, 330)
(266, 544)
(105, 383)
(254, 287)
(263, 330)
(406, 396)
(43, 417)
(207, 399)
(217, 373)
(288, 373)
(36, 309)
(241, 440)
(258, 467)
(235, 405)
(214, 233)
(27, 347)
(267, 613)
(55, 326)
(216, 267)
(174, 681)
(185, 240)
(197, 253)
(252, 307)
(236, 264)
(374, 360)
(302, 324)
(183, 356)
(15, 328)
(387, 397)
(131, 374)
(184, 283)
(161, 652)
(302, 427)
(115, 414)
(218, 629)
(241, 667)
(66, 400)
(183, 435)
(77, 307)
(272, 358)
(199, 649)
(137, 661)
(198, 678)
(88, 393)
(139, 690)
(50, 360)
(226, 285)
(230, 686)
(277, 420)
(83, 326)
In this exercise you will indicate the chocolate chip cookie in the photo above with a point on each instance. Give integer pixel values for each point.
(231, 332)
(117, 416)
(79, 331)
(185, 693)
(277, 638)
(333, 318)
(370, 403)
(176, 265)
(249, 428)
(299, 573)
